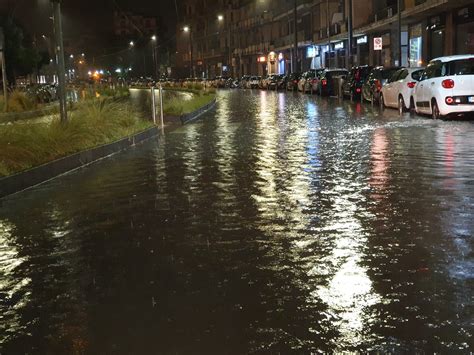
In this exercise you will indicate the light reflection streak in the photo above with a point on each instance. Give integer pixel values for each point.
(225, 151)
(10, 286)
(379, 179)
(348, 291)
(191, 159)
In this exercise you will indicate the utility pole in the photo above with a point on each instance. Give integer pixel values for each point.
(295, 50)
(399, 4)
(61, 69)
(328, 32)
(350, 36)
(4, 68)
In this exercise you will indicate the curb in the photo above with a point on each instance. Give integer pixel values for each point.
(187, 118)
(15, 116)
(15, 183)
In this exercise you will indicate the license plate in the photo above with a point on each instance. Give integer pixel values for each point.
(471, 99)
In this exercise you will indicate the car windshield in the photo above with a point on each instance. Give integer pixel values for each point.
(361, 73)
(461, 67)
(387, 73)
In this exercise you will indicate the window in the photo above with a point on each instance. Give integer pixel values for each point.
(461, 67)
(433, 70)
(388, 73)
(394, 76)
(403, 74)
(416, 75)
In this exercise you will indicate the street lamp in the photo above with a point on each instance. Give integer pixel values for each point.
(131, 44)
(154, 54)
(229, 55)
(61, 70)
(188, 29)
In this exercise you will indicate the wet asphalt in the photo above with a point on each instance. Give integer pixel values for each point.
(278, 223)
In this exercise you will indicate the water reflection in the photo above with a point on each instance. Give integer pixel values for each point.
(14, 291)
(276, 224)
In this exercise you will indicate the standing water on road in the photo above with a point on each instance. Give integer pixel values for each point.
(279, 223)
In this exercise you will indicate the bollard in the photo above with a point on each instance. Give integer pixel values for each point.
(153, 104)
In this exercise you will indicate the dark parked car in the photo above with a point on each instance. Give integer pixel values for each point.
(292, 83)
(274, 82)
(373, 85)
(282, 82)
(244, 82)
(309, 80)
(42, 93)
(352, 86)
(326, 82)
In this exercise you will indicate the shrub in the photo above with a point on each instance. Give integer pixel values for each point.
(94, 123)
(19, 102)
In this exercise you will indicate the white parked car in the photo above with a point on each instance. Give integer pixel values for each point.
(446, 87)
(398, 90)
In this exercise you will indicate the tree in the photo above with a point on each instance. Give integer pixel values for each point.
(21, 56)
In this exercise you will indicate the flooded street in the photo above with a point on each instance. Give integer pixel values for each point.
(278, 223)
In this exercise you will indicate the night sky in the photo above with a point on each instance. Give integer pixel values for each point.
(87, 17)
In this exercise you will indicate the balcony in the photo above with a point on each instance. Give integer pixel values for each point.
(383, 14)
(288, 41)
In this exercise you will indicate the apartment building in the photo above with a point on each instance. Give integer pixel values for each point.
(257, 37)
(129, 25)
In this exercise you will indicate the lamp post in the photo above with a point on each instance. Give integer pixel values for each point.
(295, 49)
(350, 36)
(220, 18)
(187, 29)
(59, 49)
(399, 23)
(4, 68)
(154, 54)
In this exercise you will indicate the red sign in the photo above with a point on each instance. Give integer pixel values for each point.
(378, 44)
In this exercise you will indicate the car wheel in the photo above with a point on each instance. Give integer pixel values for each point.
(412, 106)
(381, 101)
(401, 105)
(435, 114)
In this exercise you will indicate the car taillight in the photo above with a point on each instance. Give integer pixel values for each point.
(358, 90)
(324, 82)
(411, 84)
(449, 100)
(448, 83)
(378, 85)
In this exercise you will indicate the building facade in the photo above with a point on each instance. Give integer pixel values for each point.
(130, 25)
(257, 37)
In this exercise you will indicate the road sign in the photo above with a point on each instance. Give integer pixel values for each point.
(378, 44)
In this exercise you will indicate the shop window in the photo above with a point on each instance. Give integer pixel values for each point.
(415, 52)
(465, 38)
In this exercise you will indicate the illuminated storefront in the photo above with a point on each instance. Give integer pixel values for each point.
(415, 55)
(281, 63)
